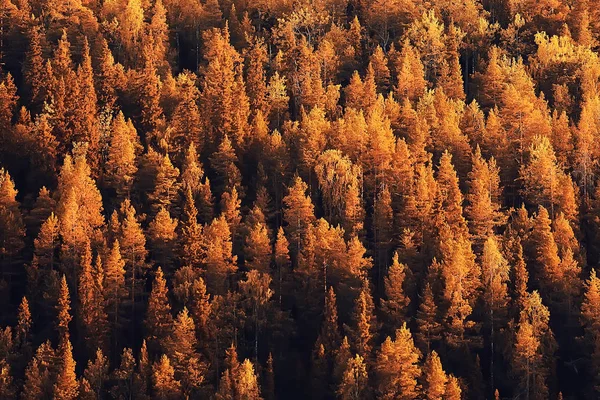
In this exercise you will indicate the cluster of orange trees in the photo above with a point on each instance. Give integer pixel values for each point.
(354, 199)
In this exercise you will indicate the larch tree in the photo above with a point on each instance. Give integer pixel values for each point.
(298, 213)
(121, 161)
(355, 381)
(544, 181)
(258, 249)
(114, 284)
(427, 319)
(533, 348)
(90, 290)
(163, 380)
(12, 229)
(397, 367)
(187, 364)
(219, 262)
(395, 306)
(159, 321)
(66, 386)
(190, 232)
(434, 378)
(483, 208)
(162, 232)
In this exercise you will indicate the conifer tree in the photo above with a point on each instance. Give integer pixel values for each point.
(428, 325)
(121, 163)
(114, 282)
(191, 232)
(163, 380)
(396, 304)
(219, 261)
(354, 384)
(159, 321)
(162, 232)
(396, 368)
(95, 376)
(12, 228)
(63, 309)
(434, 378)
(188, 367)
(298, 213)
(66, 386)
(258, 249)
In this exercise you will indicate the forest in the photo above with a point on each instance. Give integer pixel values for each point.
(299, 199)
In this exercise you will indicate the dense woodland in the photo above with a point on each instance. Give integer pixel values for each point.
(263, 199)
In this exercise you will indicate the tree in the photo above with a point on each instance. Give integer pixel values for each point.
(258, 249)
(396, 368)
(162, 232)
(434, 378)
(239, 382)
(188, 367)
(364, 324)
(483, 209)
(298, 213)
(95, 376)
(396, 304)
(63, 309)
(114, 282)
(12, 229)
(159, 321)
(66, 386)
(121, 163)
(163, 380)
(534, 346)
(545, 183)
(428, 325)
(354, 384)
(219, 262)
(90, 290)
(165, 187)
(191, 238)
(223, 162)
(186, 123)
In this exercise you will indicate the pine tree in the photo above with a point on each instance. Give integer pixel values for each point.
(396, 368)
(159, 321)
